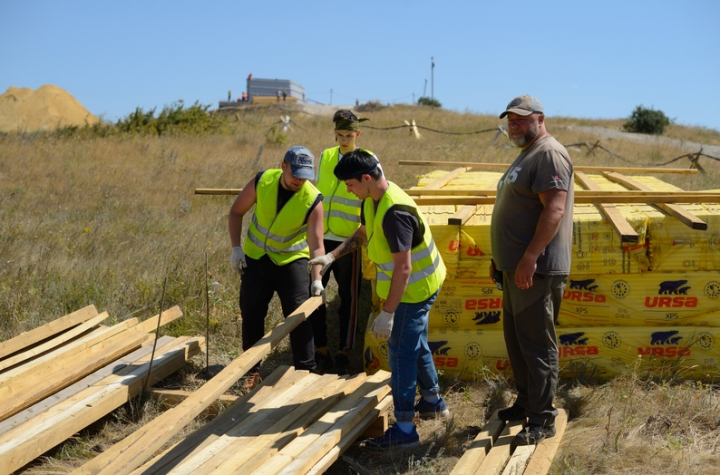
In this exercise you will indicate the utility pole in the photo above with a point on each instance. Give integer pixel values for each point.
(432, 78)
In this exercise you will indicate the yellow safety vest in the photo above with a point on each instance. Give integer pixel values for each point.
(282, 236)
(341, 209)
(428, 269)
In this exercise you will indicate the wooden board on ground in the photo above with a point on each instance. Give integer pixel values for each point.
(294, 422)
(130, 453)
(493, 453)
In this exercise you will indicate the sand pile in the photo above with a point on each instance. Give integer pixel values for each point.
(46, 108)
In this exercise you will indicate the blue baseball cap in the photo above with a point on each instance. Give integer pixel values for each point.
(301, 162)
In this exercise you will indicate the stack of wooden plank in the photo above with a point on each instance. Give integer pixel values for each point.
(493, 451)
(62, 376)
(295, 422)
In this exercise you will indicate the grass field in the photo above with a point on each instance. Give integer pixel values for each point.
(107, 220)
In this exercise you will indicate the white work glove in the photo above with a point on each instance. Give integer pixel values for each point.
(382, 325)
(237, 259)
(316, 288)
(325, 261)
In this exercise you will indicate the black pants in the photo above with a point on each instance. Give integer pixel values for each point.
(348, 275)
(260, 280)
(529, 318)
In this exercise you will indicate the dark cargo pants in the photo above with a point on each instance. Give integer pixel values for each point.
(529, 318)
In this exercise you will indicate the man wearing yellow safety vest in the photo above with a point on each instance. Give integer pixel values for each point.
(410, 272)
(341, 218)
(284, 232)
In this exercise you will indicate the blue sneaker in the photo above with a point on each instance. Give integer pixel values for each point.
(395, 438)
(428, 410)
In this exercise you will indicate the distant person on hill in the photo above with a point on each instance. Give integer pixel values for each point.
(229, 95)
(284, 93)
(341, 219)
(531, 237)
(279, 93)
(410, 272)
(285, 231)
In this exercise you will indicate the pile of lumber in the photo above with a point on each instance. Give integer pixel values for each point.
(62, 376)
(493, 451)
(295, 422)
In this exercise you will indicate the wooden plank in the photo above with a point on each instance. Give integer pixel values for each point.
(686, 197)
(253, 452)
(134, 450)
(332, 456)
(72, 348)
(306, 450)
(43, 332)
(150, 325)
(444, 180)
(481, 445)
(207, 434)
(498, 456)
(466, 212)
(273, 410)
(626, 232)
(20, 393)
(31, 439)
(89, 380)
(541, 460)
(167, 398)
(52, 343)
(678, 212)
(519, 460)
(592, 169)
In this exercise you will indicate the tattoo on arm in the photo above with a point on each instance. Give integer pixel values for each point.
(352, 244)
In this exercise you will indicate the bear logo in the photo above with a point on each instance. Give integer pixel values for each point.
(665, 338)
(485, 318)
(673, 287)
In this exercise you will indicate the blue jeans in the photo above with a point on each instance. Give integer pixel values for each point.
(411, 361)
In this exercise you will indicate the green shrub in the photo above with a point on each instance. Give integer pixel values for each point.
(428, 101)
(647, 121)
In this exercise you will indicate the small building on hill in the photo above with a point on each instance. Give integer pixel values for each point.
(260, 90)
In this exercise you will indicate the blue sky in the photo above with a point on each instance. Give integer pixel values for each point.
(581, 59)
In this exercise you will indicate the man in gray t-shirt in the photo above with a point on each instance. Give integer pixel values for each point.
(531, 238)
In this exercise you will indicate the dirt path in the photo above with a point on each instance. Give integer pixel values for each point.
(601, 132)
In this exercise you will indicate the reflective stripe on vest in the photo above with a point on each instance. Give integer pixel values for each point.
(282, 236)
(427, 271)
(341, 208)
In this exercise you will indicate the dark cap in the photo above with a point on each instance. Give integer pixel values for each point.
(523, 105)
(301, 162)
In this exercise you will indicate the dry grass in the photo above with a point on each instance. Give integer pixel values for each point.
(105, 221)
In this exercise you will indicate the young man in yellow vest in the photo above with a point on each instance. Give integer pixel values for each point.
(285, 231)
(410, 272)
(341, 218)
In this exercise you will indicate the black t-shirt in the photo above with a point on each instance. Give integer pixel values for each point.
(401, 228)
(285, 195)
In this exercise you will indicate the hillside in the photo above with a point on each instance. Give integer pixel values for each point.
(104, 221)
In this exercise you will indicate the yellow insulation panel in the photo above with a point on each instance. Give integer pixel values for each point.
(688, 352)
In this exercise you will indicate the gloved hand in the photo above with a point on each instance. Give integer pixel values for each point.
(325, 261)
(316, 288)
(237, 259)
(382, 325)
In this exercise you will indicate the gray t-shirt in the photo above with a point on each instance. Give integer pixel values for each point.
(544, 166)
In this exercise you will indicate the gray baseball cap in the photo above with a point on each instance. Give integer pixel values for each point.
(301, 162)
(523, 105)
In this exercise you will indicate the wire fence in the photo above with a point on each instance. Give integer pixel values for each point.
(694, 157)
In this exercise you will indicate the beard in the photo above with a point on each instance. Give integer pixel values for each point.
(527, 138)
